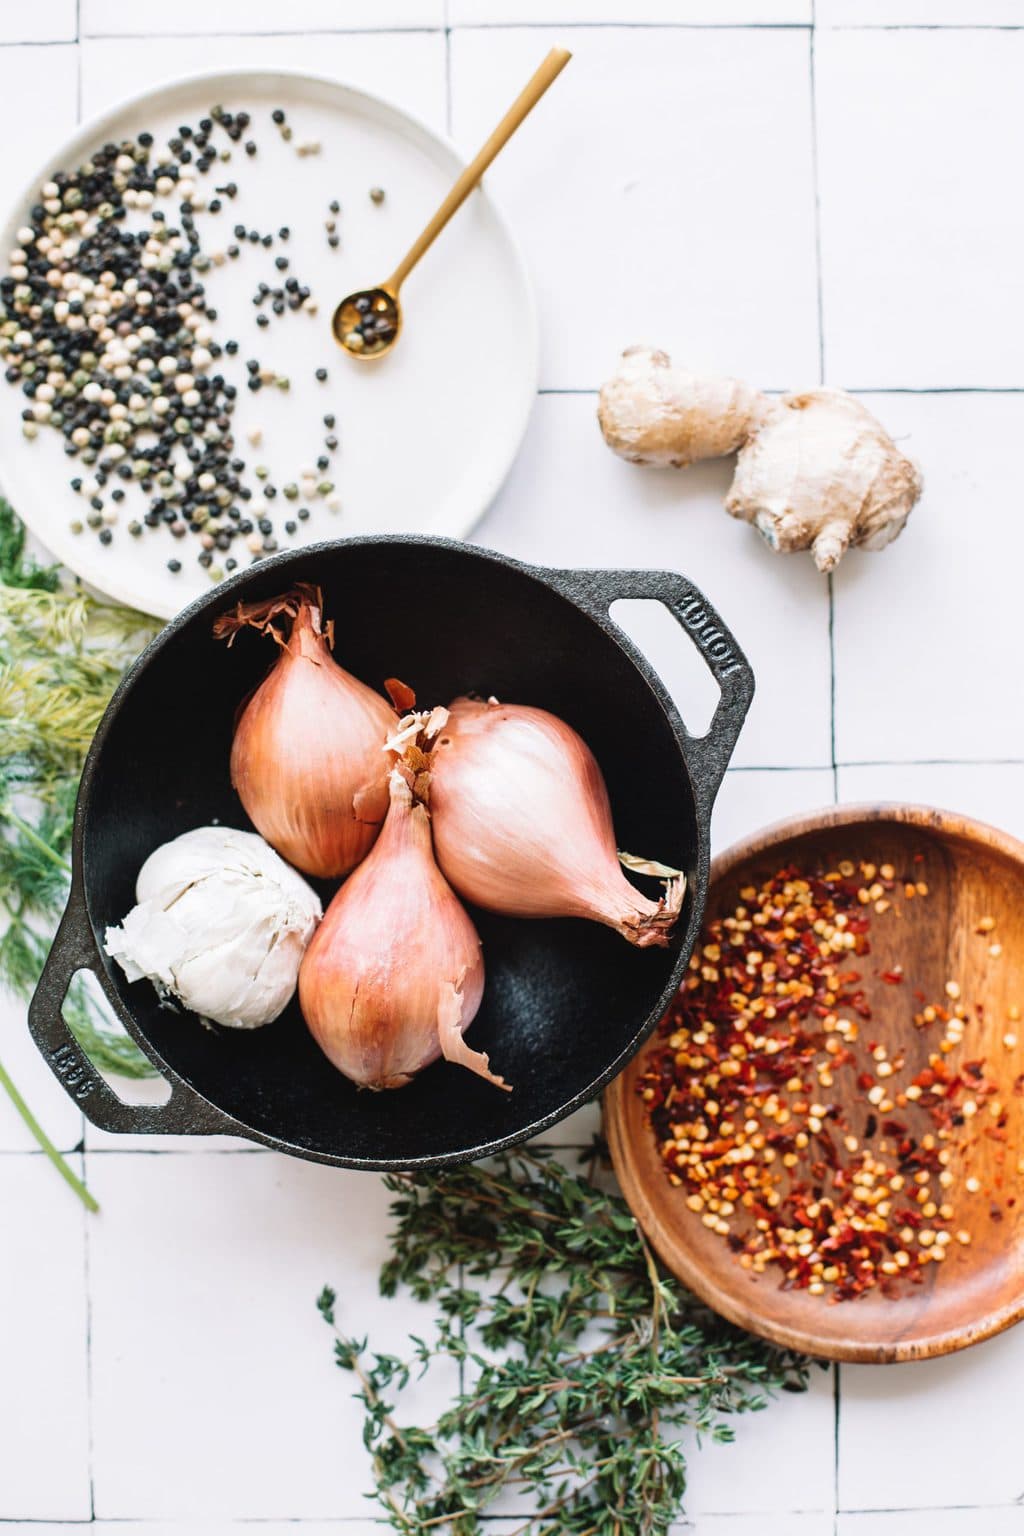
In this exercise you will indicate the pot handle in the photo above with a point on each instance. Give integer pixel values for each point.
(595, 591)
(74, 949)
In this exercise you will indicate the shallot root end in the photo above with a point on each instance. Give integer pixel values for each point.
(649, 930)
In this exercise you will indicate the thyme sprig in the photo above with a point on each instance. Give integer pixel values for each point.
(582, 1360)
(62, 653)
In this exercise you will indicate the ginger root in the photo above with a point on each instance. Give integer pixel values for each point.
(814, 471)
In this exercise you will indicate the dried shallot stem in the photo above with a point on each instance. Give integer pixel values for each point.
(261, 615)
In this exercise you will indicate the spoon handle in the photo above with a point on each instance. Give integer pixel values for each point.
(524, 103)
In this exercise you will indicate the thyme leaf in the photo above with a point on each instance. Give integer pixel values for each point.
(583, 1362)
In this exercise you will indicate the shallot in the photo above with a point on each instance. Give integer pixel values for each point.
(395, 973)
(523, 824)
(307, 757)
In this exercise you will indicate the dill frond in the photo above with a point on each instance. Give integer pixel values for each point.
(62, 654)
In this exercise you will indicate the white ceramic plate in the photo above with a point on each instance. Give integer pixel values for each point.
(427, 434)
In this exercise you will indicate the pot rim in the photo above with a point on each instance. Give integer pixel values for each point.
(591, 592)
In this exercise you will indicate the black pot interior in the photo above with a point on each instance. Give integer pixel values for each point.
(564, 999)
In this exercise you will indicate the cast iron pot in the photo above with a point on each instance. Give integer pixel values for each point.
(567, 1002)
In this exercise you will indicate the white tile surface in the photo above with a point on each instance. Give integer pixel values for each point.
(570, 501)
(992, 792)
(27, 77)
(927, 657)
(750, 1477)
(803, 1523)
(44, 21)
(1005, 1521)
(927, 1460)
(118, 67)
(47, 1100)
(44, 1413)
(918, 13)
(202, 1528)
(922, 249)
(690, 13)
(626, 194)
(205, 1335)
(749, 800)
(145, 17)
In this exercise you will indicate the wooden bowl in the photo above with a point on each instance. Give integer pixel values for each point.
(972, 871)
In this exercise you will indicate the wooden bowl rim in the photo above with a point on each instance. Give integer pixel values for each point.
(701, 1280)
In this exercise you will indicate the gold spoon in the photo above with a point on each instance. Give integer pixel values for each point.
(367, 323)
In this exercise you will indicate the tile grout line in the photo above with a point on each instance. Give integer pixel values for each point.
(837, 1398)
(447, 70)
(923, 390)
(513, 26)
(87, 1282)
(243, 35)
(819, 290)
(816, 185)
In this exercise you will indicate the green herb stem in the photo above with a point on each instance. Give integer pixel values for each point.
(584, 1366)
(33, 837)
(66, 1173)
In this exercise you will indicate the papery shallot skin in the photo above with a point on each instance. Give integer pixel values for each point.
(395, 972)
(523, 823)
(307, 758)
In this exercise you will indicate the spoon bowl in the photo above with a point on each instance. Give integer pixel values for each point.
(367, 323)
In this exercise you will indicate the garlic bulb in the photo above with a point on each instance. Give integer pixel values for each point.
(523, 825)
(395, 973)
(307, 758)
(221, 924)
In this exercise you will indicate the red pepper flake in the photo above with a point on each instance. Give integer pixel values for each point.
(738, 1094)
